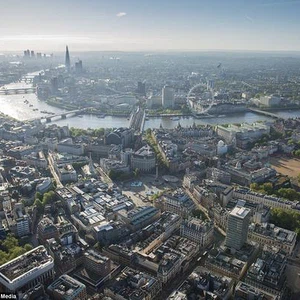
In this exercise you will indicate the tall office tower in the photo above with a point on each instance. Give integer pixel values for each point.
(78, 67)
(32, 53)
(237, 227)
(210, 85)
(54, 85)
(168, 97)
(26, 53)
(67, 61)
(141, 89)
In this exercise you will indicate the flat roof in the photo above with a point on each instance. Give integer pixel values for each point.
(240, 212)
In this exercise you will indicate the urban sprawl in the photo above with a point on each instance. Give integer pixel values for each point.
(205, 211)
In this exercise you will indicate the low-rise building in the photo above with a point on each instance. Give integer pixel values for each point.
(67, 288)
(139, 217)
(206, 283)
(67, 146)
(46, 230)
(177, 202)
(201, 232)
(232, 265)
(269, 234)
(26, 270)
(245, 291)
(144, 159)
(97, 263)
(169, 266)
(268, 272)
(132, 284)
(271, 201)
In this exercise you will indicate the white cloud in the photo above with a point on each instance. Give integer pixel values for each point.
(249, 18)
(121, 14)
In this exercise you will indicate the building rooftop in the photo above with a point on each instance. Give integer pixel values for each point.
(67, 287)
(25, 264)
(270, 230)
(240, 212)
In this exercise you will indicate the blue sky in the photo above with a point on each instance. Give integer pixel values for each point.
(133, 25)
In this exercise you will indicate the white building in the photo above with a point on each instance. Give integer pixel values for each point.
(27, 270)
(269, 101)
(221, 148)
(237, 227)
(67, 146)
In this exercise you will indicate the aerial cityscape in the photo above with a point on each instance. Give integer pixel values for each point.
(146, 169)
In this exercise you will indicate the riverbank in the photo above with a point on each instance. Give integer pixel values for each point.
(284, 108)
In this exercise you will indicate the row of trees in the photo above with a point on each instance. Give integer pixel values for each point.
(42, 200)
(99, 132)
(184, 110)
(267, 188)
(288, 219)
(160, 160)
(10, 249)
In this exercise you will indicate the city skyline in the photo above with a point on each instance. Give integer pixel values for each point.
(144, 26)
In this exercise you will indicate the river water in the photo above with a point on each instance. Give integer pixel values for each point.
(14, 106)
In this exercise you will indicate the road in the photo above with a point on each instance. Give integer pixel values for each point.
(55, 176)
(199, 206)
(104, 177)
(203, 209)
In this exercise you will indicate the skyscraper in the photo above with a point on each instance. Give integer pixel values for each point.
(67, 61)
(141, 89)
(237, 227)
(167, 97)
(78, 67)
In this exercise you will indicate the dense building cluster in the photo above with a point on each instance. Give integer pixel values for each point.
(134, 213)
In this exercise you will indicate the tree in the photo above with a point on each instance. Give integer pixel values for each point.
(254, 186)
(136, 173)
(197, 213)
(49, 198)
(39, 205)
(268, 188)
(11, 249)
(297, 153)
(286, 219)
(39, 196)
(27, 247)
(54, 183)
(289, 193)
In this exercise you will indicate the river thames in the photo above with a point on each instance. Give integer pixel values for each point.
(17, 107)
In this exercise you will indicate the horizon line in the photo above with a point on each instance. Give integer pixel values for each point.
(159, 50)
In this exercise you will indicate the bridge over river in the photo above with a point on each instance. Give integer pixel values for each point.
(12, 91)
(62, 115)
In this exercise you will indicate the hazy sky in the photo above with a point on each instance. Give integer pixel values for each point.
(149, 25)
